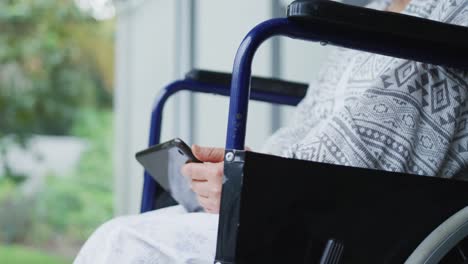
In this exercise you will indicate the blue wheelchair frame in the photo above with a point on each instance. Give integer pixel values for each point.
(306, 22)
(150, 187)
(240, 92)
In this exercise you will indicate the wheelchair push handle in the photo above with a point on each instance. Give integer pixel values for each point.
(364, 29)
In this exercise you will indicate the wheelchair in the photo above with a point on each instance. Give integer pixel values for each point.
(386, 217)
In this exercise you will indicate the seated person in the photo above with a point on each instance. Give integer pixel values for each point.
(364, 110)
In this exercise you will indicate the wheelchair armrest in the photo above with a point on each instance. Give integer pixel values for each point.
(387, 33)
(259, 84)
(263, 89)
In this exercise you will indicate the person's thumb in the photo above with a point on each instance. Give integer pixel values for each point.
(208, 154)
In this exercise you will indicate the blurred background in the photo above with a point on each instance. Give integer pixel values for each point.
(77, 82)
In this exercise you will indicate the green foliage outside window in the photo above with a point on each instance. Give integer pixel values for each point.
(56, 78)
(48, 65)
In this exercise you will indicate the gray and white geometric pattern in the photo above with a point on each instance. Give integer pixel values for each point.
(387, 113)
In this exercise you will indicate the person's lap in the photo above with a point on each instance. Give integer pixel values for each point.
(167, 235)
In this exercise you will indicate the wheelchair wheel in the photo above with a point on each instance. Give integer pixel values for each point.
(458, 254)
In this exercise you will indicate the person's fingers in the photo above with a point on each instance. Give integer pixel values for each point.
(207, 188)
(203, 171)
(201, 188)
(186, 169)
(208, 154)
(195, 171)
(210, 205)
(203, 201)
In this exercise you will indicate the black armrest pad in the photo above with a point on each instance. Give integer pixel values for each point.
(259, 84)
(382, 32)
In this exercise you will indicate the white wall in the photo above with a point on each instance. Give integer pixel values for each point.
(144, 64)
(221, 27)
(146, 52)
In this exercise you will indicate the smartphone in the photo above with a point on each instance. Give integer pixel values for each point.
(164, 162)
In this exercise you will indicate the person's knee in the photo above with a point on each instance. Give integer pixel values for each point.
(112, 227)
(107, 232)
(102, 240)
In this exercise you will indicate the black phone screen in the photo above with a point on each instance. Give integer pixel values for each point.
(164, 162)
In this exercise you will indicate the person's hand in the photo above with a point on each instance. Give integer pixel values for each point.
(206, 178)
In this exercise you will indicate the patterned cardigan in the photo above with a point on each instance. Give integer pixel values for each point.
(374, 111)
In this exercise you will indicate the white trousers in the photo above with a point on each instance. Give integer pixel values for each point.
(168, 235)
